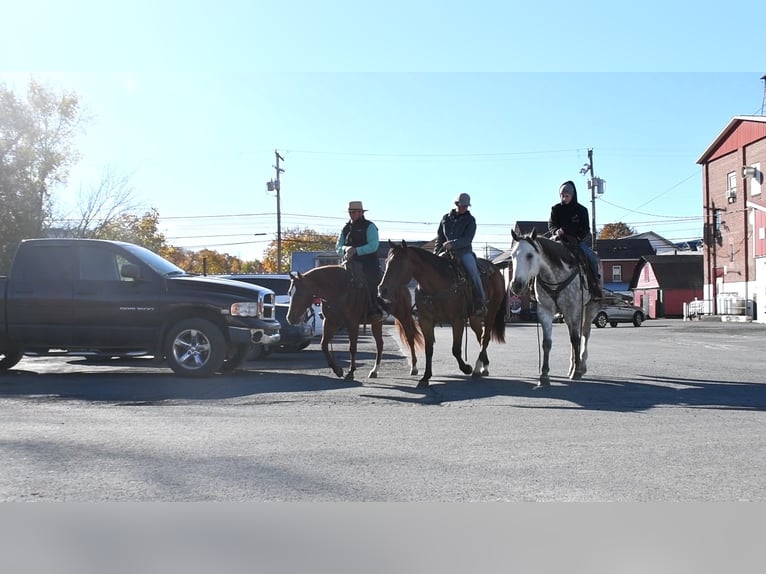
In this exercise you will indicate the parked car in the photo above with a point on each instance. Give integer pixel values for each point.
(291, 337)
(614, 310)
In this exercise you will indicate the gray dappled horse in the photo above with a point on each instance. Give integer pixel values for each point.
(559, 283)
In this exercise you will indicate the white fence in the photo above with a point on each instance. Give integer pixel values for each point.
(726, 304)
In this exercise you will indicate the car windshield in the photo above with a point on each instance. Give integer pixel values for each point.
(159, 264)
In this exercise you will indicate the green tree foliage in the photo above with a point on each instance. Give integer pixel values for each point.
(296, 239)
(139, 229)
(615, 231)
(37, 134)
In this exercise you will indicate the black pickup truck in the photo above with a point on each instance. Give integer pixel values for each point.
(103, 299)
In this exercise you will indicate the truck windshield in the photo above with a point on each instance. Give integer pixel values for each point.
(160, 265)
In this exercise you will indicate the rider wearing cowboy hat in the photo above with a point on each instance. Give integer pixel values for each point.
(358, 240)
(455, 235)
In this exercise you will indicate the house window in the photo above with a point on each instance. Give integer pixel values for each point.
(731, 187)
(617, 273)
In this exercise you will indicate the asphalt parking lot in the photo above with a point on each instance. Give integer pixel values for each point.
(669, 411)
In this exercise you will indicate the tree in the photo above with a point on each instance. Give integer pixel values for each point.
(615, 231)
(293, 240)
(139, 229)
(36, 151)
(104, 204)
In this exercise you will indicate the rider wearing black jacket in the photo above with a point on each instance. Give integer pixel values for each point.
(569, 222)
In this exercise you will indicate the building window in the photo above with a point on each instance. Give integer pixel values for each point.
(617, 273)
(731, 187)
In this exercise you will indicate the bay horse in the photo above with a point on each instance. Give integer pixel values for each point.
(444, 296)
(559, 284)
(344, 304)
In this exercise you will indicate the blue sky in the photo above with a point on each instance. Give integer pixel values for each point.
(400, 105)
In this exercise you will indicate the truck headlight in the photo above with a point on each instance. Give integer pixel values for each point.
(247, 309)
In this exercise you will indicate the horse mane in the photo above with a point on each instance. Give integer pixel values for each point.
(327, 276)
(441, 264)
(556, 252)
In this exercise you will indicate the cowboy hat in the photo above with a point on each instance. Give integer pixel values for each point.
(353, 205)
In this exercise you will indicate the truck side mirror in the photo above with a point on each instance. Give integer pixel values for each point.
(130, 271)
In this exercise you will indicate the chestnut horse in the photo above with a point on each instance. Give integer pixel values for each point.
(345, 304)
(443, 295)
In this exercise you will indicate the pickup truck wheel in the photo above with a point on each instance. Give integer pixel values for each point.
(195, 348)
(9, 359)
(239, 355)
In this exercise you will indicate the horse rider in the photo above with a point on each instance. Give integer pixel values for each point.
(358, 241)
(569, 222)
(455, 235)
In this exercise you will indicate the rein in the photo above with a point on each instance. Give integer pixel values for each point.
(554, 289)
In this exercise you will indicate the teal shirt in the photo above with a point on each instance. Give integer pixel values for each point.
(370, 247)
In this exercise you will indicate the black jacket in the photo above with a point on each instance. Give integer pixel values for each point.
(460, 229)
(572, 218)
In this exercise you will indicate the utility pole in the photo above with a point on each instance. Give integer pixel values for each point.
(592, 198)
(596, 185)
(274, 185)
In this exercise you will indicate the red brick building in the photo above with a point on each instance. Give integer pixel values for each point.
(735, 215)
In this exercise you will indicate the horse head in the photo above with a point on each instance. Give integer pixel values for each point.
(398, 271)
(301, 297)
(525, 260)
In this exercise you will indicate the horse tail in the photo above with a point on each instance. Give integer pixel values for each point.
(498, 326)
(410, 333)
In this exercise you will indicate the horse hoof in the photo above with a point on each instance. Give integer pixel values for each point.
(372, 375)
(422, 384)
(413, 372)
(543, 386)
(338, 372)
(467, 370)
(349, 376)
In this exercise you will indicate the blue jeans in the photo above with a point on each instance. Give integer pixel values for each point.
(592, 258)
(469, 263)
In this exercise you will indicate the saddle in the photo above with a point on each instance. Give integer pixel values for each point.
(356, 273)
(358, 280)
(585, 268)
(486, 268)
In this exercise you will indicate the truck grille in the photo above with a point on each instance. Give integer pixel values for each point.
(269, 306)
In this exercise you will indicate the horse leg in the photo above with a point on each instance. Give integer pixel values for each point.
(575, 371)
(377, 334)
(479, 367)
(327, 334)
(428, 338)
(353, 339)
(584, 338)
(545, 379)
(457, 341)
(413, 360)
